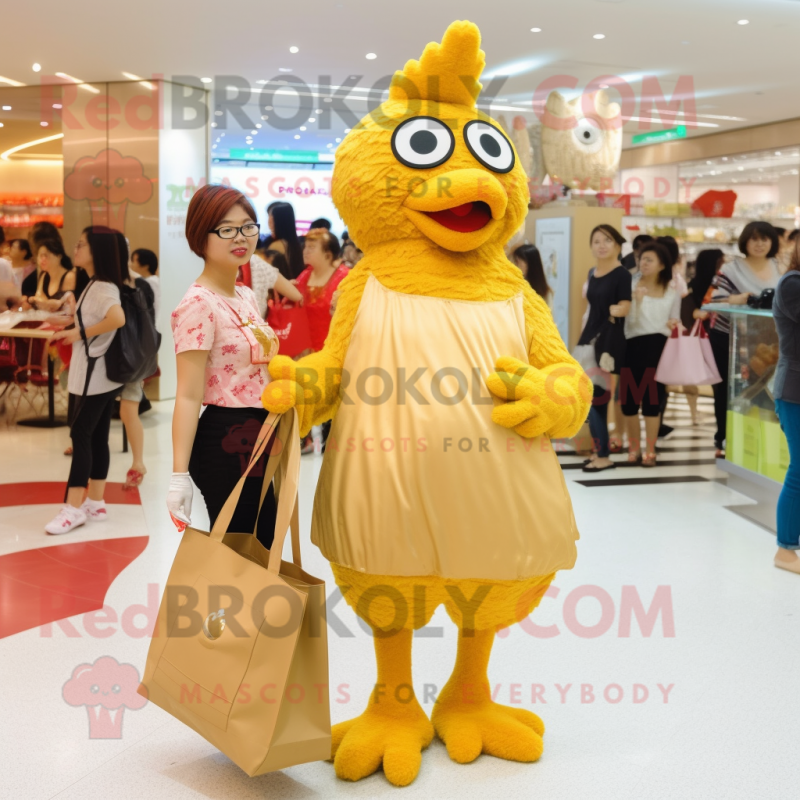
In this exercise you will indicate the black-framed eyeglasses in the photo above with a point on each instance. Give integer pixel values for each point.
(229, 232)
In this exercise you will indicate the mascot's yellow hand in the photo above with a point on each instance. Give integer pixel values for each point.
(532, 406)
(287, 390)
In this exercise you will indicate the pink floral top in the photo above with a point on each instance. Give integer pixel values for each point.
(205, 320)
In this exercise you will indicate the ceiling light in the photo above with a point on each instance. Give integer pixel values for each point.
(297, 136)
(44, 124)
(371, 56)
(213, 147)
(294, 49)
(205, 80)
(252, 148)
(264, 116)
(258, 125)
(604, 86)
(303, 127)
(338, 139)
(312, 119)
(56, 105)
(709, 162)
(6, 156)
(743, 22)
(83, 85)
(217, 113)
(741, 169)
(284, 69)
(222, 134)
(777, 152)
(330, 144)
(262, 81)
(327, 99)
(267, 108)
(255, 132)
(536, 30)
(37, 67)
(1, 125)
(599, 36)
(10, 82)
(318, 111)
(213, 124)
(724, 158)
(6, 108)
(347, 130)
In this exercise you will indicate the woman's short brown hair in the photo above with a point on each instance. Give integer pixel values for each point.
(207, 209)
(758, 229)
(329, 242)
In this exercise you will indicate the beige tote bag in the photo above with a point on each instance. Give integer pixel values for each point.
(240, 651)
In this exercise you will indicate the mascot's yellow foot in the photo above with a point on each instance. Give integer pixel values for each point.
(470, 723)
(394, 730)
(391, 734)
(471, 727)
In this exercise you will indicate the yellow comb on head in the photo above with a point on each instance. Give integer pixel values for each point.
(446, 72)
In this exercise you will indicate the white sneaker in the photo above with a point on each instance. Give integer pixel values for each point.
(95, 511)
(66, 520)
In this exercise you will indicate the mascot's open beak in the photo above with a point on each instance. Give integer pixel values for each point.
(458, 210)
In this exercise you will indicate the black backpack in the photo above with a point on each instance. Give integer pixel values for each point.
(133, 353)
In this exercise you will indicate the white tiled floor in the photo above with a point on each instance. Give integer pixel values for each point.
(728, 729)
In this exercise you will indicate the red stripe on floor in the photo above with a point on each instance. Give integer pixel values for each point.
(50, 583)
(45, 492)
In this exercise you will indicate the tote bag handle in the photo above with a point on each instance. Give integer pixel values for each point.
(287, 459)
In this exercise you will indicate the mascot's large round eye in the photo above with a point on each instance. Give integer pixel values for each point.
(423, 142)
(489, 146)
(588, 135)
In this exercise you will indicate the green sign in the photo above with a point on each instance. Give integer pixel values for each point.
(654, 137)
(286, 156)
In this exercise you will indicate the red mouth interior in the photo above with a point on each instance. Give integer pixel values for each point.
(464, 218)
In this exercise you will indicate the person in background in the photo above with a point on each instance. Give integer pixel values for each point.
(680, 285)
(529, 260)
(4, 244)
(631, 261)
(706, 267)
(144, 263)
(318, 283)
(263, 276)
(214, 369)
(22, 261)
(92, 394)
(609, 295)
(785, 248)
(283, 227)
(132, 394)
(278, 260)
(654, 312)
(56, 277)
(265, 242)
(348, 253)
(320, 223)
(750, 274)
(786, 311)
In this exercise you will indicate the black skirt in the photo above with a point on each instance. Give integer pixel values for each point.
(222, 448)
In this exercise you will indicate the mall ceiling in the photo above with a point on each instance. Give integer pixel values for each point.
(739, 75)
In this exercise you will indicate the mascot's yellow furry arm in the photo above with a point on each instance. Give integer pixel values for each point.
(445, 377)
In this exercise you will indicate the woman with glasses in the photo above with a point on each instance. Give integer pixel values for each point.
(220, 365)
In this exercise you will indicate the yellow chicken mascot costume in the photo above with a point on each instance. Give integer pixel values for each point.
(445, 377)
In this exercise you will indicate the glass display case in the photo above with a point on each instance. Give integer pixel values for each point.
(755, 441)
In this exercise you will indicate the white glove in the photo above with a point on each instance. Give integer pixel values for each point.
(179, 497)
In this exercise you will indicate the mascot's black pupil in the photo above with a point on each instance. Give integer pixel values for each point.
(423, 142)
(490, 145)
(587, 135)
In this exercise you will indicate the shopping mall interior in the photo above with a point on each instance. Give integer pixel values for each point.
(576, 224)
